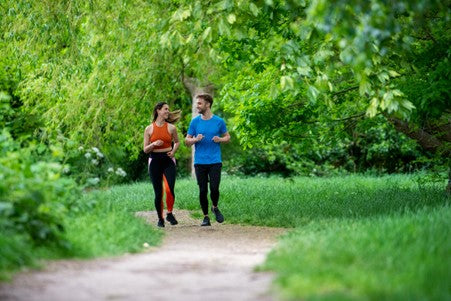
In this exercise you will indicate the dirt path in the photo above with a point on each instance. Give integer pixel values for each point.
(193, 263)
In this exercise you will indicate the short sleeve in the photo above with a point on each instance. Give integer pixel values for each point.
(222, 127)
(191, 129)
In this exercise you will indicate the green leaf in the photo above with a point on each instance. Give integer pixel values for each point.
(312, 93)
(371, 111)
(254, 9)
(223, 27)
(206, 35)
(407, 104)
(231, 18)
(393, 73)
(364, 87)
(286, 82)
(305, 71)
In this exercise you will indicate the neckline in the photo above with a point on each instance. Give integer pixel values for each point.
(158, 125)
(212, 115)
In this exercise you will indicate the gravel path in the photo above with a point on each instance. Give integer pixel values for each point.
(193, 263)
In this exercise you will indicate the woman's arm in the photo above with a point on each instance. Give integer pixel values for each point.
(148, 147)
(175, 138)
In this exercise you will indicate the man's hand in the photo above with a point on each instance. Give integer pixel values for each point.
(199, 137)
(216, 139)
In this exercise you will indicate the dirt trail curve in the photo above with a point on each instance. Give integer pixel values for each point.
(193, 263)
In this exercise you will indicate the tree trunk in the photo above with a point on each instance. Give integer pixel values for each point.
(194, 88)
(424, 139)
(435, 138)
(448, 187)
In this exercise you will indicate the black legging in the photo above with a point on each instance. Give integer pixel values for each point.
(161, 164)
(205, 173)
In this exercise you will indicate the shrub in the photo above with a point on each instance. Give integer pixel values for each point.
(34, 198)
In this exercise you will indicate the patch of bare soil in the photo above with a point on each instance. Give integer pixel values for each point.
(193, 263)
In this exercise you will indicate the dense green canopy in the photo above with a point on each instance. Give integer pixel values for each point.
(304, 75)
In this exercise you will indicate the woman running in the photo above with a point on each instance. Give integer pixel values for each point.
(161, 141)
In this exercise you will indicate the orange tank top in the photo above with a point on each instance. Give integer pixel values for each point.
(161, 133)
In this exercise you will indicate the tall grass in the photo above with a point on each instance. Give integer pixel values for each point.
(355, 238)
(108, 225)
(351, 238)
(102, 224)
(397, 257)
(295, 202)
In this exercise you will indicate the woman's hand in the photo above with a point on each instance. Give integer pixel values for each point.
(171, 154)
(157, 143)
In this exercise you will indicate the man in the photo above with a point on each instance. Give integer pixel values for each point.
(206, 132)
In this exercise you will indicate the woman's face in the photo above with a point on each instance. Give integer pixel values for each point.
(164, 111)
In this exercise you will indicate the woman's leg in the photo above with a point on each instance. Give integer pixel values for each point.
(169, 196)
(156, 176)
(169, 176)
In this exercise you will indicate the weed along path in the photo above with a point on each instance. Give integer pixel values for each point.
(193, 263)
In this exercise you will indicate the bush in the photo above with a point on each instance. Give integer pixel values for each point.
(34, 198)
(89, 166)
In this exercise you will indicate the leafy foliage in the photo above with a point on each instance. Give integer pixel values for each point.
(34, 198)
(296, 72)
(91, 70)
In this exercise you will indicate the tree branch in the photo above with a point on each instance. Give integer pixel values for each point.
(425, 139)
(345, 90)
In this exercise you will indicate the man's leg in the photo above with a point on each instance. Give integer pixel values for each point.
(215, 180)
(202, 181)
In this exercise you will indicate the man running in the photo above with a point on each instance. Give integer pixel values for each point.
(206, 132)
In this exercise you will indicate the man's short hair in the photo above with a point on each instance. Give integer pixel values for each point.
(207, 98)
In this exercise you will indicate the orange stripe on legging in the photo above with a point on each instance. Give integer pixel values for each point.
(169, 196)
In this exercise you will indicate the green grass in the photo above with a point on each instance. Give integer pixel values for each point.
(355, 238)
(103, 225)
(397, 257)
(14, 253)
(350, 238)
(108, 225)
(296, 202)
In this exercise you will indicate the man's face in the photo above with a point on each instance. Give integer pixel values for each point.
(201, 105)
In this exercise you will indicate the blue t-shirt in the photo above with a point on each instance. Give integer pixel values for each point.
(207, 151)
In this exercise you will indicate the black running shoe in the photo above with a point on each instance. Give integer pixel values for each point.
(206, 222)
(160, 223)
(171, 219)
(218, 214)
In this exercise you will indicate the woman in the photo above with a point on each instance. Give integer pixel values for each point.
(161, 141)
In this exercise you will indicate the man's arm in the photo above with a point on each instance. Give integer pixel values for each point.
(190, 140)
(224, 139)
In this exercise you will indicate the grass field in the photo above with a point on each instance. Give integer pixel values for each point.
(355, 238)
(351, 238)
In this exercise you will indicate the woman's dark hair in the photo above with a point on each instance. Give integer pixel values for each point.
(173, 116)
(157, 107)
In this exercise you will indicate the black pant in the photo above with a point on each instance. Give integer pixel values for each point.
(161, 164)
(204, 174)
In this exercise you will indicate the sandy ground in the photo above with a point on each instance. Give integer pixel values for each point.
(193, 263)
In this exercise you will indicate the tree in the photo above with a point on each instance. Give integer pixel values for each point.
(321, 61)
(282, 68)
